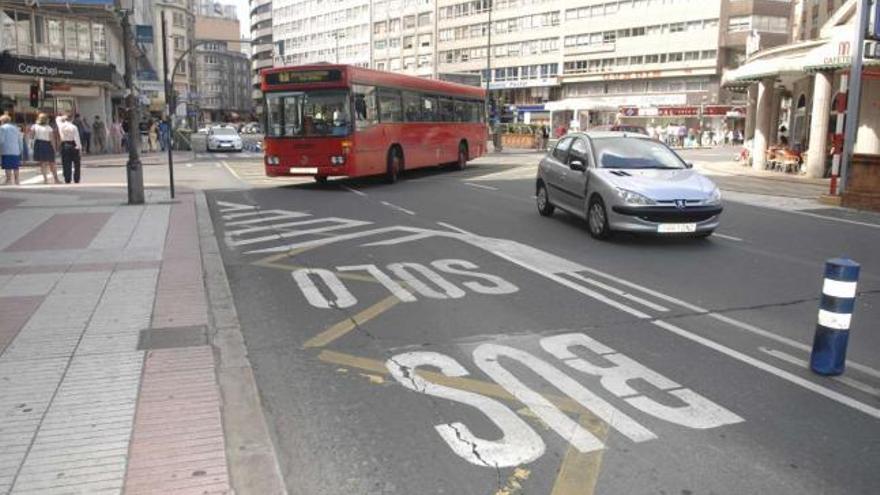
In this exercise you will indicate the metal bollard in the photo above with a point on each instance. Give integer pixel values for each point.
(835, 313)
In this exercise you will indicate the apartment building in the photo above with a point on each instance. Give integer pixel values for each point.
(808, 16)
(404, 37)
(262, 47)
(308, 31)
(223, 71)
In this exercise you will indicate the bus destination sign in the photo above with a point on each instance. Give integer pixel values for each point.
(304, 76)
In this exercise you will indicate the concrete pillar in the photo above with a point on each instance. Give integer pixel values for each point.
(819, 125)
(751, 96)
(762, 123)
(868, 140)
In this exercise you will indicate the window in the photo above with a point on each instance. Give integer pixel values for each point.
(379, 44)
(424, 19)
(560, 152)
(429, 108)
(389, 105)
(409, 22)
(407, 42)
(412, 111)
(578, 150)
(380, 27)
(446, 110)
(424, 40)
(177, 19)
(70, 45)
(364, 106)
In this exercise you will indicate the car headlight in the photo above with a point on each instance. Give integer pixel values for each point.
(634, 198)
(714, 197)
(272, 160)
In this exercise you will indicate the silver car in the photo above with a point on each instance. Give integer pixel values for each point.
(224, 137)
(626, 182)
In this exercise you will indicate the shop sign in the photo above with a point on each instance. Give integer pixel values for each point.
(32, 67)
(143, 34)
(631, 75)
(525, 83)
(678, 111)
(629, 111)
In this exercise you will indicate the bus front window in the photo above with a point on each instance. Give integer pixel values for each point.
(308, 114)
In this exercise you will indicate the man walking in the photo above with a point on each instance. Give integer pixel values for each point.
(99, 131)
(71, 147)
(85, 134)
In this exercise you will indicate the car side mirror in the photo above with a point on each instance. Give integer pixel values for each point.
(577, 164)
(689, 165)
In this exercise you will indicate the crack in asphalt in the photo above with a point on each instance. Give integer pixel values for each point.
(475, 450)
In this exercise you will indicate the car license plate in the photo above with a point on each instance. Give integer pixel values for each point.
(304, 170)
(676, 228)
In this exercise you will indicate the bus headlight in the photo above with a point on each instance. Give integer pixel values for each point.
(272, 160)
(337, 160)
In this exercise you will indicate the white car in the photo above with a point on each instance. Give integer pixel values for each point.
(223, 138)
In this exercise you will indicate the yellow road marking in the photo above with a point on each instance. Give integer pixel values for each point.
(579, 472)
(514, 481)
(343, 327)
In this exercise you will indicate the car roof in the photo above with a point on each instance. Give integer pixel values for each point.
(608, 134)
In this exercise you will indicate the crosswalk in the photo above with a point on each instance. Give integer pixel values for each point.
(244, 155)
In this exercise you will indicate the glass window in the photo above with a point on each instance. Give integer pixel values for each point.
(630, 153)
(23, 33)
(310, 113)
(407, 42)
(460, 109)
(446, 110)
(7, 31)
(412, 111)
(84, 40)
(70, 44)
(578, 149)
(425, 19)
(409, 22)
(99, 43)
(55, 31)
(389, 105)
(560, 152)
(429, 108)
(364, 106)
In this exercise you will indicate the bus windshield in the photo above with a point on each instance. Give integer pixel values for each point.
(308, 114)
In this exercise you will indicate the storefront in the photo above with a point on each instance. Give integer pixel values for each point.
(712, 122)
(87, 89)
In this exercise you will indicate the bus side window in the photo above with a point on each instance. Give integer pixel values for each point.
(429, 108)
(447, 110)
(389, 106)
(364, 106)
(412, 103)
(461, 113)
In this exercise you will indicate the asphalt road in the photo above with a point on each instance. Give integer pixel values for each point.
(439, 336)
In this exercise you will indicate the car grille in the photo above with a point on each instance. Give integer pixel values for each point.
(670, 214)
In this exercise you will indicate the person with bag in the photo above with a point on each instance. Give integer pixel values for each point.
(45, 143)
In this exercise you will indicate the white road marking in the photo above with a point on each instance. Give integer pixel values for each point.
(864, 387)
(342, 298)
(623, 294)
(389, 283)
(835, 219)
(340, 223)
(398, 208)
(262, 216)
(400, 240)
(405, 272)
(761, 365)
(351, 189)
(728, 237)
(519, 444)
(33, 180)
(453, 227)
(188, 165)
(233, 172)
(579, 288)
(480, 186)
(726, 319)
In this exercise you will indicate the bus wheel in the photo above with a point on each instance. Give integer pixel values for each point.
(461, 163)
(321, 179)
(395, 165)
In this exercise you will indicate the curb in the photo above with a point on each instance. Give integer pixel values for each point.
(253, 464)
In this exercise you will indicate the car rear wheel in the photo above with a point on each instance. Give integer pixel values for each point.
(395, 165)
(542, 200)
(597, 219)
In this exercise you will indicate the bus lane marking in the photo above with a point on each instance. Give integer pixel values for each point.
(398, 208)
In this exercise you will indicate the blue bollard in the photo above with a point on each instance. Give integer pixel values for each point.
(835, 313)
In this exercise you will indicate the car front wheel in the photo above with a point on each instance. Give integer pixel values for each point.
(597, 219)
(545, 208)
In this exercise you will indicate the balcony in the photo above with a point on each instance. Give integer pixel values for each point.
(262, 63)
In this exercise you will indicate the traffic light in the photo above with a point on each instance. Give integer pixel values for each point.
(35, 95)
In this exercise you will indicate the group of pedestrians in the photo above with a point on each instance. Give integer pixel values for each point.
(64, 138)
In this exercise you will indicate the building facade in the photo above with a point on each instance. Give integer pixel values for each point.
(74, 53)
(262, 48)
(404, 37)
(808, 16)
(309, 31)
(224, 73)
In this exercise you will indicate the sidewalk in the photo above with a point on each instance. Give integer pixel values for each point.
(108, 365)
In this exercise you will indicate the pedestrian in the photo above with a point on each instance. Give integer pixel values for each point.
(11, 141)
(682, 134)
(71, 149)
(45, 144)
(85, 133)
(99, 132)
(164, 135)
(116, 134)
(154, 136)
(545, 136)
(126, 136)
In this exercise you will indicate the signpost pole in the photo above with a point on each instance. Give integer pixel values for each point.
(167, 105)
(854, 95)
(133, 170)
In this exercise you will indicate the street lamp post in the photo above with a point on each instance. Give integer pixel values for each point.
(133, 169)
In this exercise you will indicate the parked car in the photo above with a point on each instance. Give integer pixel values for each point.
(637, 129)
(626, 182)
(223, 137)
(251, 128)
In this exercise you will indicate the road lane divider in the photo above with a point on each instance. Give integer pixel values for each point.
(398, 208)
(345, 326)
(728, 237)
(480, 186)
(621, 293)
(805, 364)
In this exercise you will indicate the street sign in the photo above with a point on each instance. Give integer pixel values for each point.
(143, 34)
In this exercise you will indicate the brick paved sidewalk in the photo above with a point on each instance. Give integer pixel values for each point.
(107, 378)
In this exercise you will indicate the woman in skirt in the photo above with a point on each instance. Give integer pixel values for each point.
(45, 140)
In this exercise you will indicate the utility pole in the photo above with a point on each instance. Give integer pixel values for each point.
(167, 103)
(854, 95)
(489, 56)
(133, 170)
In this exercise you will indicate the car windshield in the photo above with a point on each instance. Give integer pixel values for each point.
(224, 131)
(308, 113)
(625, 152)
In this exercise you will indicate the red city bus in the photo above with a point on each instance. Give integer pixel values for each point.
(338, 120)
